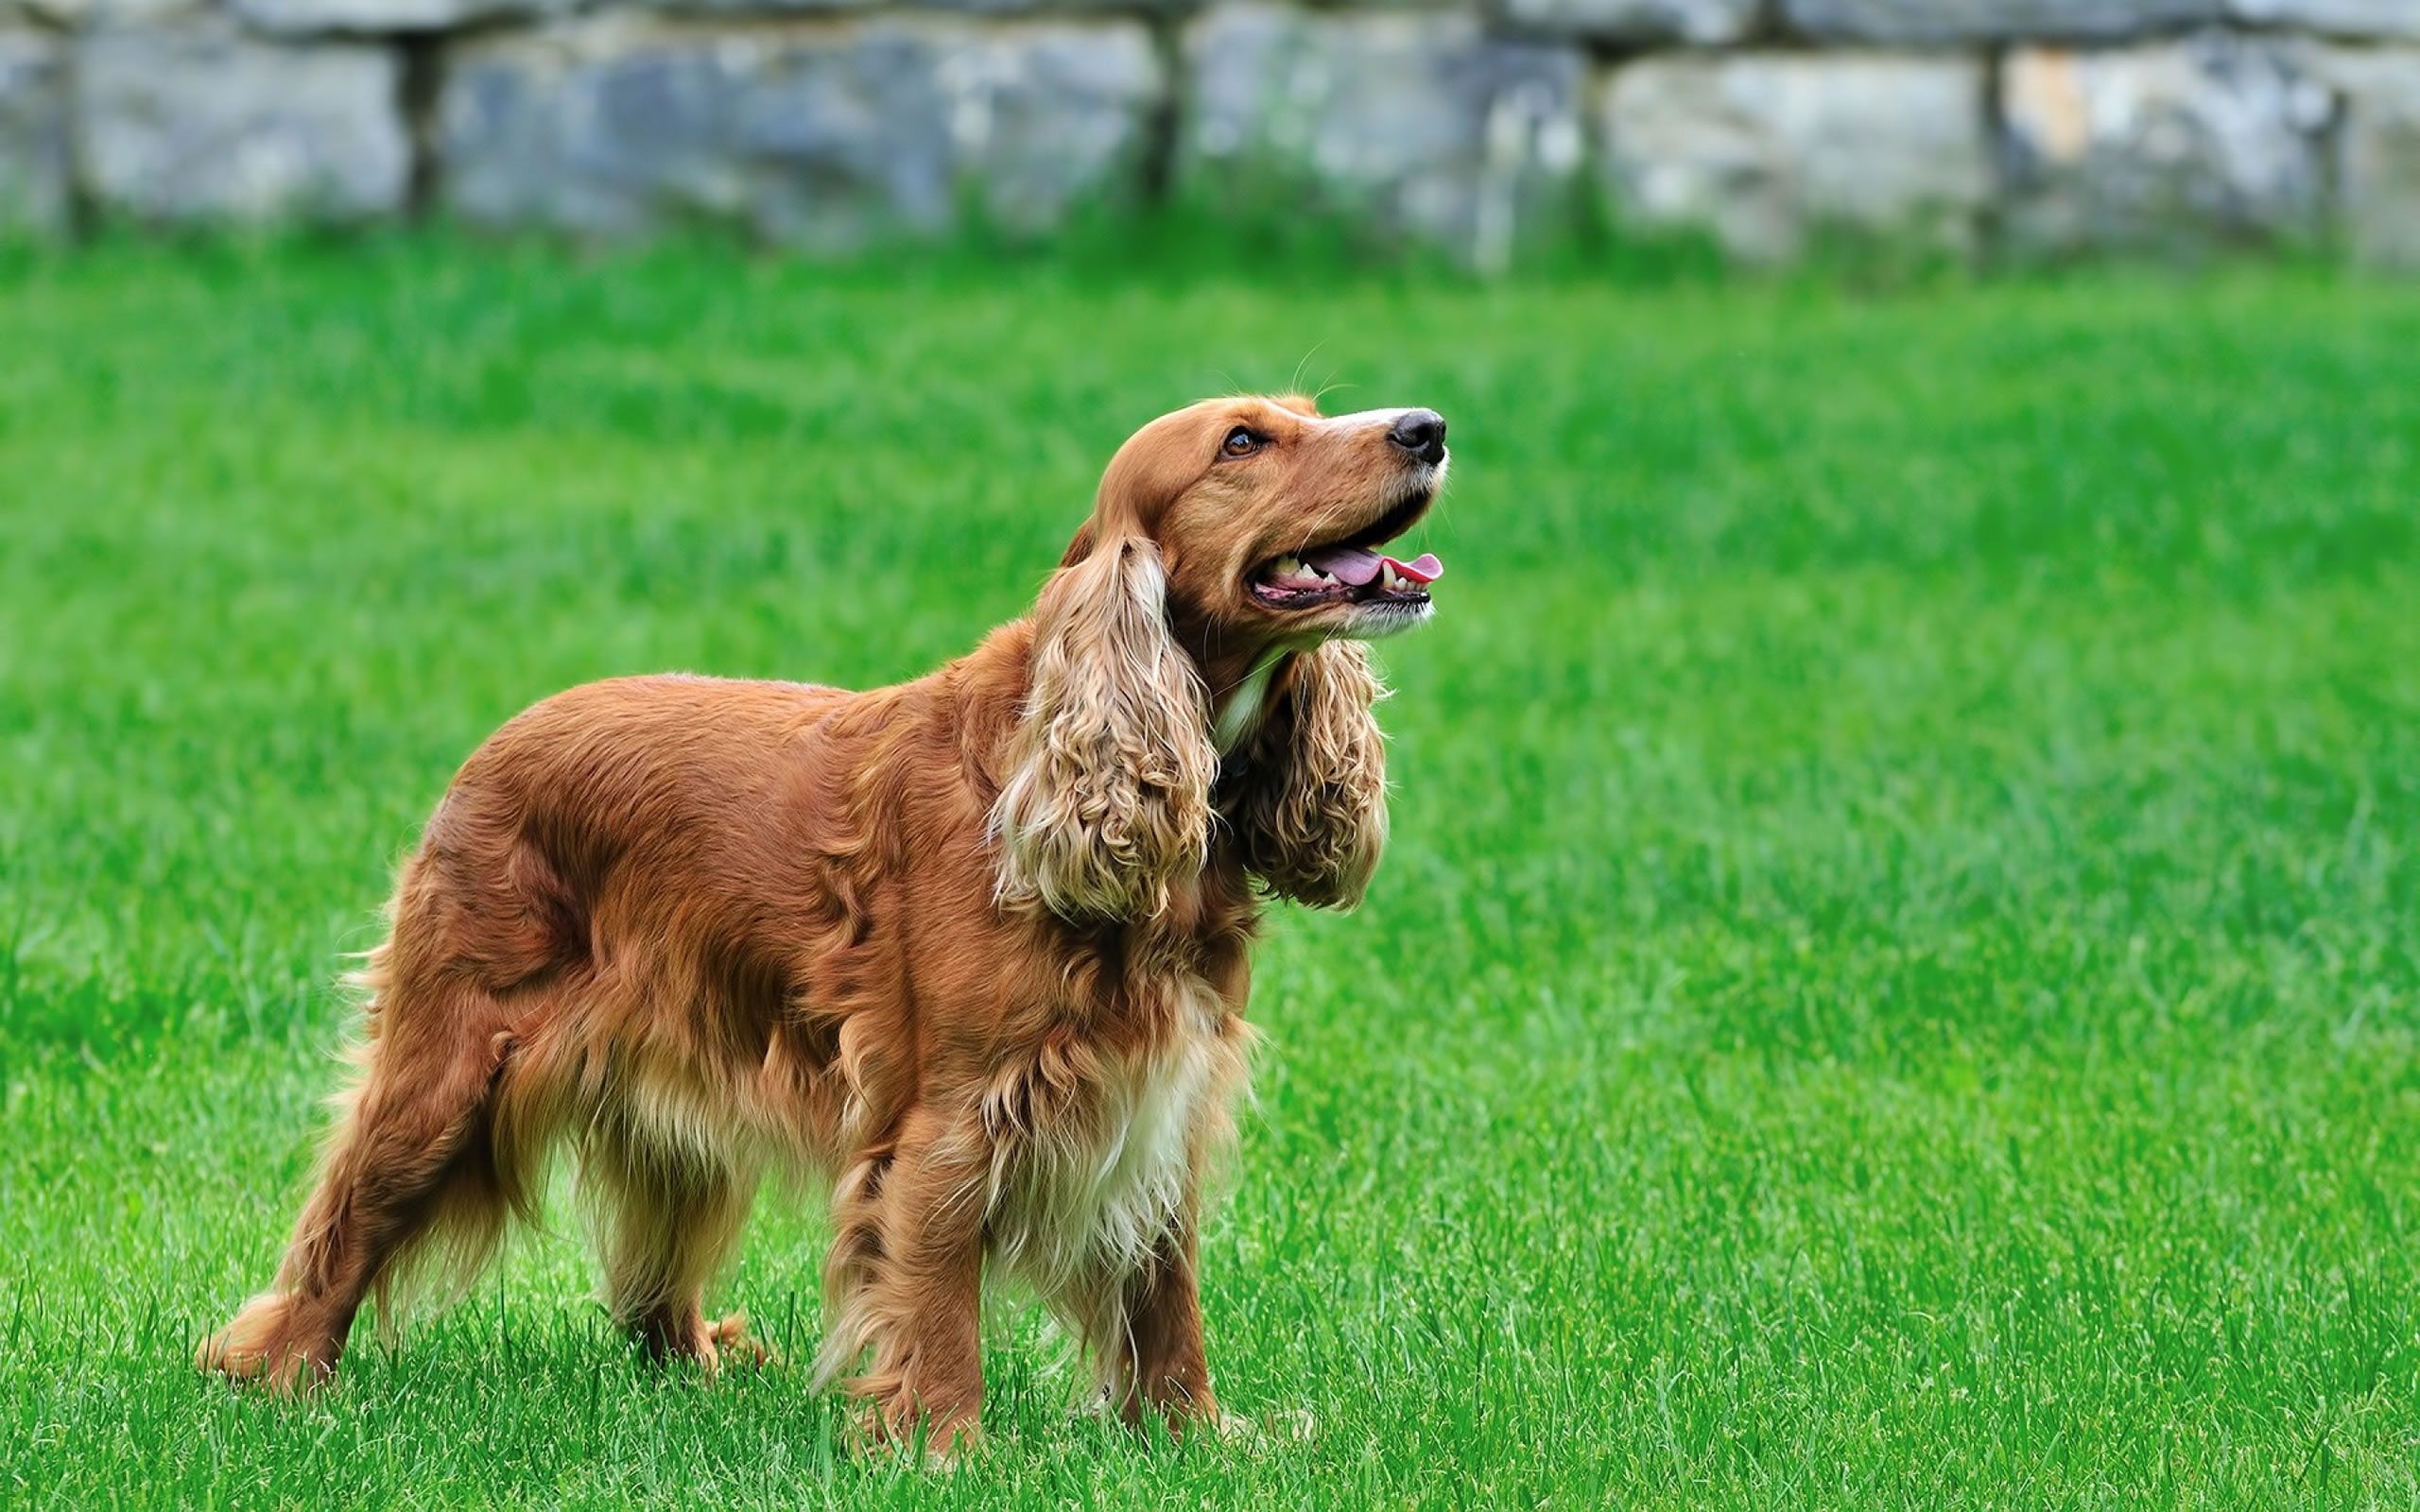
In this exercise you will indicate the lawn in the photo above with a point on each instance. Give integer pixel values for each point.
(1896, 981)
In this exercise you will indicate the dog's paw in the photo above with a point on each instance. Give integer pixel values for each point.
(729, 1343)
(1269, 1429)
(895, 1425)
(260, 1346)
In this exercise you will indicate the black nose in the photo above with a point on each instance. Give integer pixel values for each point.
(1421, 431)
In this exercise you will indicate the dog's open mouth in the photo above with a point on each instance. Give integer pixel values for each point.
(1335, 574)
(1345, 573)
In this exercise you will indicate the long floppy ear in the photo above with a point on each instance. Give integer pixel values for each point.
(1313, 816)
(1108, 793)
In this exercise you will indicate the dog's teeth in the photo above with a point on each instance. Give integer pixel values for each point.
(1388, 581)
(1285, 567)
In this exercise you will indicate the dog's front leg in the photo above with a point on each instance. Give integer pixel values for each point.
(913, 1273)
(1165, 1367)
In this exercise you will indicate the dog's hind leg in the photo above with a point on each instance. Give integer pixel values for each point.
(666, 1220)
(412, 1149)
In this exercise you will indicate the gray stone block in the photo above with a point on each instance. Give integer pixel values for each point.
(1421, 120)
(200, 122)
(977, 8)
(89, 15)
(1637, 21)
(33, 133)
(824, 135)
(2378, 146)
(742, 9)
(1946, 21)
(1763, 147)
(316, 17)
(2339, 18)
(2214, 138)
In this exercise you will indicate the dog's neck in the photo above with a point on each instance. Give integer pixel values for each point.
(1237, 712)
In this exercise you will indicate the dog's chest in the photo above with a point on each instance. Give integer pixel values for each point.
(1094, 1188)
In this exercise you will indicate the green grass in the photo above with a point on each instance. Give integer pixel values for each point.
(1895, 983)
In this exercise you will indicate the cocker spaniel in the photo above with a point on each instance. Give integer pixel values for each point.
(972, 950)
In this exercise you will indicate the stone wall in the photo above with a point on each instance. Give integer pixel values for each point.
(1970, 125)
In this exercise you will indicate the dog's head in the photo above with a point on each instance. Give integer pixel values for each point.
(1268, 518)
(1234, 552)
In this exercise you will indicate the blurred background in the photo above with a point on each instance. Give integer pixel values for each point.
(1973, 128)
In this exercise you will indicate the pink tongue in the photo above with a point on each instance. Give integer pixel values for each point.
(1351, 564)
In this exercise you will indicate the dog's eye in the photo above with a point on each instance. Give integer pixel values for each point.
(1242, 441)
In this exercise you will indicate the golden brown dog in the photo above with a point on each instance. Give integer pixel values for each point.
(971, 948)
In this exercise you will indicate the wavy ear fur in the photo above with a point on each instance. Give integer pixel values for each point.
(1108, 796)
(1312, 818)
